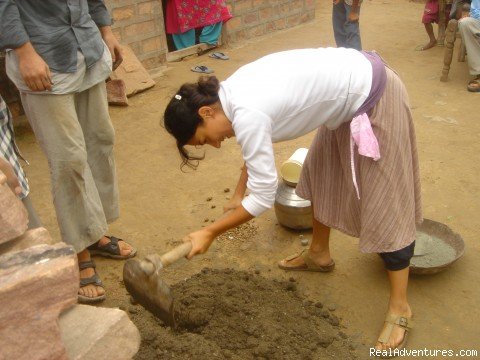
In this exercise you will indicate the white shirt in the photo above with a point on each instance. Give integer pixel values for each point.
(286, 95)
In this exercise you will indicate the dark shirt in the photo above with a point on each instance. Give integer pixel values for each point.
(57, 29)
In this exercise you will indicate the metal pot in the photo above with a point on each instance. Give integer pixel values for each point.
(291, 210)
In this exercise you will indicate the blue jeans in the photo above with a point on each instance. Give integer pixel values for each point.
(347, 34)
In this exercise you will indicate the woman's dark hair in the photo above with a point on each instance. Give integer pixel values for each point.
(181, 116)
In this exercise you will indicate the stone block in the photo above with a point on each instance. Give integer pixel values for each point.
(97, 333)
(117, 93)
(36, 285)
(133, 73)
(13, 215)
(32, 237)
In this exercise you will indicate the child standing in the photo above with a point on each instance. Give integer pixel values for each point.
(430, 16)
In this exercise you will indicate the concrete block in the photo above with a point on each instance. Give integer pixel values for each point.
(36, 285)
(32, 237)
(90, 332)
(13, 215)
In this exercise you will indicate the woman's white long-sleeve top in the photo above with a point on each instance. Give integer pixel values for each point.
(286, 95)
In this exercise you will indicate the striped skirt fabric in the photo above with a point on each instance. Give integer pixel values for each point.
(385, 216)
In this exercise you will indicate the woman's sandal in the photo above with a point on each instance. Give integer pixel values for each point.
(392, 321)
(111, 249)
(92, 280)
(308, 266)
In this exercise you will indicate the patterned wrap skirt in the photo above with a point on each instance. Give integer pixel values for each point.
(385, 216)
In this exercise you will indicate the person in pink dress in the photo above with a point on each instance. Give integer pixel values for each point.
(184, 16)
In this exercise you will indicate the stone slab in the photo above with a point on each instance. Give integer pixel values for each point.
(90, 332)
(133, 73)
(117, 92)
(13, 215)
(36, 285)
(32, 237)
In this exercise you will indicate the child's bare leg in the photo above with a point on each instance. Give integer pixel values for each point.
(431, 35)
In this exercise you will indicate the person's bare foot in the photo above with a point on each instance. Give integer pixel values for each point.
(398, 333)
(125, 248)
(90, 291)
(427, 46)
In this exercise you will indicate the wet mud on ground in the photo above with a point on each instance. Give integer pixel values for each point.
(229, 314)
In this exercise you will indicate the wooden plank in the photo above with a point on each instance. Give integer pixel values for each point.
(191, 50)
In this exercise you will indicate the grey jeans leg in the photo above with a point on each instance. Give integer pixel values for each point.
(346, 33)
(65, 136)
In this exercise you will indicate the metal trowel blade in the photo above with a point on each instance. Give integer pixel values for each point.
(150, 291)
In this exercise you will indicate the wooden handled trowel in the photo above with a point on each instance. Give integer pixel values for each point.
(143, 281)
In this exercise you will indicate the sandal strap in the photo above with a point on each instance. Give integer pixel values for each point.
(86, 265)
(402, 321)
(112, 246)
(94, 279)
(294, 256)
(392, 321)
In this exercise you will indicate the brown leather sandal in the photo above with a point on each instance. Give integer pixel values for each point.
(308, 266)
(392, 321)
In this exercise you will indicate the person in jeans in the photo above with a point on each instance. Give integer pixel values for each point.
(59, 53)
(345, 20)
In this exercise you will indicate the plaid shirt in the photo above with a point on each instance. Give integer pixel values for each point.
(8, 147)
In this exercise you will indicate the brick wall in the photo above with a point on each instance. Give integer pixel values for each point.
(252, 18)
(140, 24)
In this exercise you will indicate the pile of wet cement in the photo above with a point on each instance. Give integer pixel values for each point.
(227, 314)
(435, 252)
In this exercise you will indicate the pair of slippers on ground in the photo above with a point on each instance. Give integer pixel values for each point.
(391, 320)
(205, 69)
(109, 250)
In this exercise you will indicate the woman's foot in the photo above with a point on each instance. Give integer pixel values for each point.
(398, 333)
(91, 287)
(309, 261)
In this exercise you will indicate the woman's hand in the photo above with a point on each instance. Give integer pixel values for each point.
(113, 45)
(201, 241)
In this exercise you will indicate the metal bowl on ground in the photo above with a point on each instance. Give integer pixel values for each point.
(291, 210)
(436, 248)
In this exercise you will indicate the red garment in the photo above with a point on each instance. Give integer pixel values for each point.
(430, 13)
(183, 15)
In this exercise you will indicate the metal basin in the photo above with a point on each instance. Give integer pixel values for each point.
(291, 210)
(436, 248)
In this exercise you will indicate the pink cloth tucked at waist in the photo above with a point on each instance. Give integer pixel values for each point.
(183, 15)
(361, 134)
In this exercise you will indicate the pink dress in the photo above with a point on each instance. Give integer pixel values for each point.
(183, 15)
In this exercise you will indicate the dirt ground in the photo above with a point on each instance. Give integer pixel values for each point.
(160, 204)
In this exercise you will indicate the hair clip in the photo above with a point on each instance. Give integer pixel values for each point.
(178, 97)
